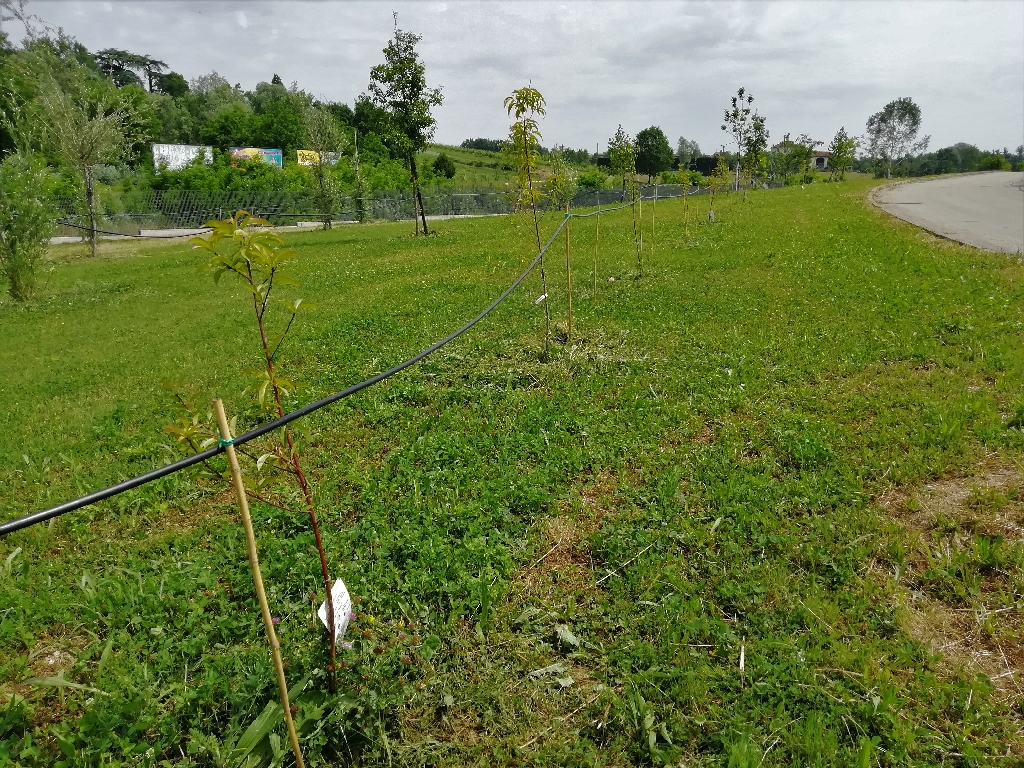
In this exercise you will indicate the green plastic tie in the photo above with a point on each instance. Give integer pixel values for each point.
(222, 443)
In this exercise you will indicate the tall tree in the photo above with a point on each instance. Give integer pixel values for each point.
(173, 84)
(686, 152)
(892, 134)
(153, 68)
(85, 131)
(748, 130)
(843, 149)
(324, 137)
(653, 152)
(622, 157)
(755, 146)
(121, 66)
(399, 87)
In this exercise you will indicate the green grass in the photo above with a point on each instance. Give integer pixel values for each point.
(698, 474)
(473, 167)
(477, 167)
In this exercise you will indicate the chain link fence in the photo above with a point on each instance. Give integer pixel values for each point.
(190, 209)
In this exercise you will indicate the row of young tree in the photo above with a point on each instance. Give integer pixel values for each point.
(890, 146)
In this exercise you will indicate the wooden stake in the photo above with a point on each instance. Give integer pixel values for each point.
(257, 579)
(640, 256)
(654, 209)
(568, 274)
(597, 240)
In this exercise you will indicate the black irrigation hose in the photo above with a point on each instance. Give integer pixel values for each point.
(168, 469)
(64, 223)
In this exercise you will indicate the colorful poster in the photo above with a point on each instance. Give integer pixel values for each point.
(310, 157)
(174, 157)
(272, 156)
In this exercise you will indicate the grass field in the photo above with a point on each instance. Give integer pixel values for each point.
(477, 167)
(763, 509)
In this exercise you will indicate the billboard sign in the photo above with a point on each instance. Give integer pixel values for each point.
(174, 157)
(272, 156)
(310, 157)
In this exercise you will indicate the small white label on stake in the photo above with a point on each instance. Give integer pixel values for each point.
(342, 609)
(541, 298)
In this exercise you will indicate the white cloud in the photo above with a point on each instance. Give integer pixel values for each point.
(812, 66)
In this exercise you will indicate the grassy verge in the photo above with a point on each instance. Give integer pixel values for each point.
(561, 563)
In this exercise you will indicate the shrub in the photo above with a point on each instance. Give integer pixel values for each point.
(683, 176)
(592, 178)
(26, 220)
(994, 162)
(444, 166)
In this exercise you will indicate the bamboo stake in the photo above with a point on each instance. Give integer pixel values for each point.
(597, 241)
(686, 213)
(654, 209)
(257, 578)
(640, 254)
(568, 274)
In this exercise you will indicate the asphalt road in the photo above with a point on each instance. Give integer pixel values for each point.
(985, 210)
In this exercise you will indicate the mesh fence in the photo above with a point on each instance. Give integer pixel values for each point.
(190, 209)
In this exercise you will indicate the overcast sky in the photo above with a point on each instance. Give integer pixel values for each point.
(811, 66)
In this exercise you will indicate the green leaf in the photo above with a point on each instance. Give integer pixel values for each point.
(256, 733)
(566, 636)
(60, 682)
(430, 646)
(105, 655)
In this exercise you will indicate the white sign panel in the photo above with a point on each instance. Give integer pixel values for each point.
(342, 609)
(176, 156)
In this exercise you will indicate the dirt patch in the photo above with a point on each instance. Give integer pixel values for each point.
(962, 573)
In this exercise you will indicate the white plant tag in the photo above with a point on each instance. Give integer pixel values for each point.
(342, 609)
(541, 298)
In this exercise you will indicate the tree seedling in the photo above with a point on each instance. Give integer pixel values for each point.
(525, 105)
(239, 246)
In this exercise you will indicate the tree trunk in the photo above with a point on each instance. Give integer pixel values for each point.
(325, 197)
(90, 194)
(417, 194)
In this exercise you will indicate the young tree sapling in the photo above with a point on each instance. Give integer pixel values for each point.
(525, 105)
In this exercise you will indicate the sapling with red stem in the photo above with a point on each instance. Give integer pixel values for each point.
(239, 245)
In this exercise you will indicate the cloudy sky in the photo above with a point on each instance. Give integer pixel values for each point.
(812, 66)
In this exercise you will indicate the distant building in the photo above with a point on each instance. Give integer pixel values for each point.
(820, 160)
(705, 164)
